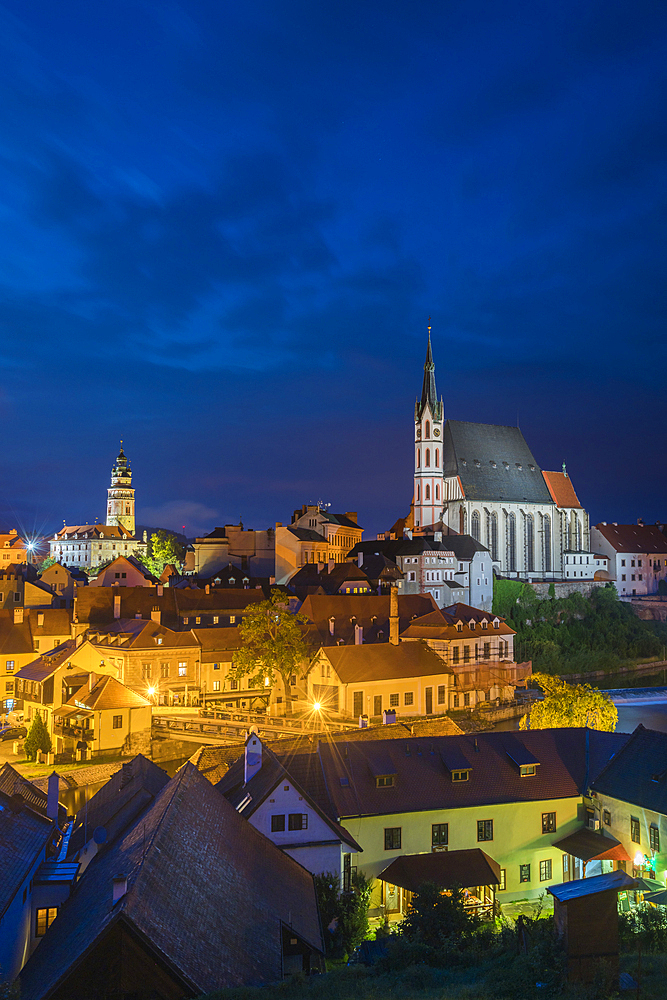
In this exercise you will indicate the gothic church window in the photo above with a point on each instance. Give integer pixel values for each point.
(428, 428)
(428, 458)
(437, 492)
(529, 526)
(427, 492)
(493, 535)
(474, 525)
(547, 543)
(511, 542)
(437, 458)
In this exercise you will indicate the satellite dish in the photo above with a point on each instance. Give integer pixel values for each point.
(100, 835)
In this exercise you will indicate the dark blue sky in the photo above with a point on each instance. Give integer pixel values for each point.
(225, 225)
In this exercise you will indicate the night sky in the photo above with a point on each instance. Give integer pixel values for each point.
(225, 225)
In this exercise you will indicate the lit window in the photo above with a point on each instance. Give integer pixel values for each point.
(548, 822)
(545, 870)
(216, 685)
(182, 669)
(44, 919)
(439, 835)
(503, 880)
(385, 781)
(460, 775)
(635, 836)
(524, 873)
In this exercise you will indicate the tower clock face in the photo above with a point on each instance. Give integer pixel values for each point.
(419, 432)
(436, 432)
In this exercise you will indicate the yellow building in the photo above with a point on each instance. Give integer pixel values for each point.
(314, 536)
(12, 549)
(407, 678)
(515, 795)
(105, 715)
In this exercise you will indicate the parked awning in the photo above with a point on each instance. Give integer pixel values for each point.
(590, 846)
(445, 868)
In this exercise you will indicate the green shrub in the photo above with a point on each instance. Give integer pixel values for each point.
(38, 739)
(644, 925)
(344, 915)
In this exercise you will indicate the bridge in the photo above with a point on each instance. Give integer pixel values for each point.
(230, 727)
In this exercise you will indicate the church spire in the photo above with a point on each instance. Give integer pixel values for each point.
(429, 393)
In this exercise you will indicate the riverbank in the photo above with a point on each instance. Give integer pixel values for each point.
(648, 669)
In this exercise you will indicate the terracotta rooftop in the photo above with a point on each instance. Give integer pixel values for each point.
(638, 538)
(107, 693)
(384, 661)
(561, 489)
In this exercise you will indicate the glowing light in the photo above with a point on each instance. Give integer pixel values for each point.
(267, 681)
(639, 859)
(317, 706)
(151, 691)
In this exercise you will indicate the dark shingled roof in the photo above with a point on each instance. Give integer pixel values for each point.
(118, 803)
(493, 462)
(423, 782)
(638, 772)
(13, 783)
(384, 661)
(444, 868)
(23, 835)
(206, 891)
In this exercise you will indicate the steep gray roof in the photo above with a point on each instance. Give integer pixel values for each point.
(429, 392)
(493, 462)
(638, 772)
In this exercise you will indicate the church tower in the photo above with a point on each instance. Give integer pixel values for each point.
(429, 412)
(120, 503)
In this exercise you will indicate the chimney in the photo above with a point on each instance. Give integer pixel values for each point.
(119, 887)
(320, 567)
(332, 625)
(393, 616)
(116, 605)
(388, 716)
(160, 589)
(330, 566)
(40, 619)
(360, 559)
(363, 722)
(92, 678)
(253, 755)
(358, 635)
(18, 616)
(52, 797)
(207, 588)
(156, 615)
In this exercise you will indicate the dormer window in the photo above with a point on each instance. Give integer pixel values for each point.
(459, 626)
(484, 625)
(527, 770)
(460, 775)
(384, 781)
(472, 625)
(496, 623)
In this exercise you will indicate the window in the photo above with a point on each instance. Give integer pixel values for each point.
(487, 650)
(277, 824)
(185, 621)
(385, 781)
(118, 722)
(297, 821)
(441, 694)
(484, 829)
(393, 700)
(440, 835)
(466, 699)
(456, 701)
(216, 619)
(455, 654)
(527, 770)
(622, 562)
(146, 671)
(654, 838)
(164, 670)
(216, 685)
(622, 576)
(182, 669)
(606, 817)
(216, 666)
(233, 684)
(409, 698)
(10, 666)
(44, 919)
(548, 823)
(466, 654)
(232, 619)
(524, 873)
(545, 870)
(634, 831)
(357, 702)
(460, 775)
(392, 838)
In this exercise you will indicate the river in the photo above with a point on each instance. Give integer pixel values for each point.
(647, 705)
(74, 798)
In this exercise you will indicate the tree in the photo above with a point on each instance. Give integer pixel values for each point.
(163, 548)
(436, 916)
(344, 915)
(271, 644)
(37, 739)
(570, 705)
(49, 561)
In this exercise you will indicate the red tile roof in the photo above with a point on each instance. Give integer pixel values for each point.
(560, 486)
(638, 538)
(384, 661)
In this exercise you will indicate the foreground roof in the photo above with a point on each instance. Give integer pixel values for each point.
(638, 773)
(617, 881)
(492, 462)
(568, 760)
(206, 891)
(446, 869)
(23, 835)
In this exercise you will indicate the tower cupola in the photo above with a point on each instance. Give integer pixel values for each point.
(120, 501)
(427, 501)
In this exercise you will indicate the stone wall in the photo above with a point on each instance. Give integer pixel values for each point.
(139, 742)
(564, 588)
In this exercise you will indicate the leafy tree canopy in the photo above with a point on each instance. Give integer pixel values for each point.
(570, 705)
(38, 739)
(435, 916)
(163, 548)
(49, 561)
(272, 642)
(344, 915)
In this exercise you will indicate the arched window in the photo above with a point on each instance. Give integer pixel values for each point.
(579, 540)
(529, 531)
(428, 429)
(427, 492)
(418, 459)
(474, 525)
(418, 493)
(463, 521)
(428, 458)
(511, 542)
(437, 492)
(547, 543)
(437, 458)
(493, 535)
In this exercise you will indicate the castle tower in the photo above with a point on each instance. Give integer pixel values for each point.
(120, 503)
(429, 412)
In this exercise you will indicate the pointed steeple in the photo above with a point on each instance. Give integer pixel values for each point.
(429, 392)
